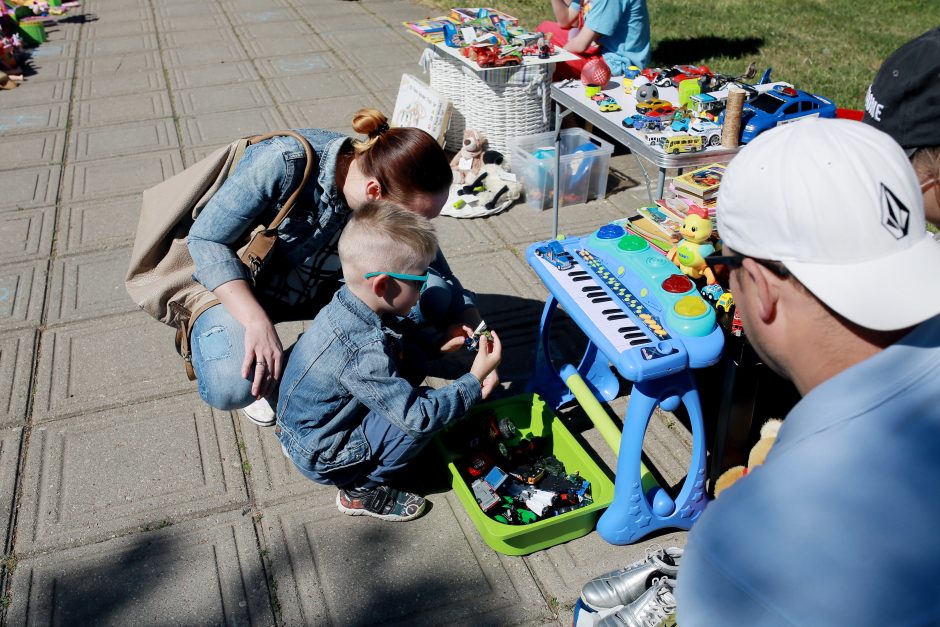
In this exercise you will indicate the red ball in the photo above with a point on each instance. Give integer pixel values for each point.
(595, 72)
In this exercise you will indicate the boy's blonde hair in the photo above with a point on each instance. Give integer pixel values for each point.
(384, 237)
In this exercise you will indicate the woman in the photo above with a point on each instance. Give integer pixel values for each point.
(236, 352)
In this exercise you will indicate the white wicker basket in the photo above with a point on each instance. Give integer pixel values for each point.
(502, 103)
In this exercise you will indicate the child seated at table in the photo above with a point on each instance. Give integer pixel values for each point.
(618, 30)
(351, 410)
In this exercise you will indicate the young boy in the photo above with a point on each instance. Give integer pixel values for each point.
(619, 28)
(347, 414)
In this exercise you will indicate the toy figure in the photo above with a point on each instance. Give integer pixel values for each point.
(467, 162)
(690, 253)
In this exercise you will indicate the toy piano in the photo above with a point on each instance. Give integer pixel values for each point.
(649, 322)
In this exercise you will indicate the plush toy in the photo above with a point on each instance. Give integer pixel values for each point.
(467, 162)
(499, 189)
(689, 254)
(768, 435)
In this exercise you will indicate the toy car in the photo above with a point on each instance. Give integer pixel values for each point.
(712, 292)
(645, 106)
(553, 253)
(608, 104)
(710, 132)
(492, 56)
(678, 73)
(680, 126)
(643, 122)
(664, 111)
(725, 302)
(781, 105)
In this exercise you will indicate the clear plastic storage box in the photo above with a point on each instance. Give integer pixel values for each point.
(585, 161)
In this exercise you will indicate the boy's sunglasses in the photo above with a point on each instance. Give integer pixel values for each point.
(735, 261)
(419, 282)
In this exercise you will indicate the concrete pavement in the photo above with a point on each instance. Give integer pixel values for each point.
(126, 500)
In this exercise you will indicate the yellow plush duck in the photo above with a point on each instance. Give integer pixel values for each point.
(690, 253)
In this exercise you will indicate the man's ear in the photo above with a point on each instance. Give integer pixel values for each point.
(379, 285)
(373, 189)
(766, 288)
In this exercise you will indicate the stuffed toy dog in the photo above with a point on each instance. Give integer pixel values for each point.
(467, 162)
(757, 456)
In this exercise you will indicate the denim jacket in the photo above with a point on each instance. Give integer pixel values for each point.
(345, 366)
(262, 181)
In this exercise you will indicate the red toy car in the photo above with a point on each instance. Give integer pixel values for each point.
(490, 56)
(678, 73)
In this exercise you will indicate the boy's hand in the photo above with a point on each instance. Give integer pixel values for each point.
(456, 334)
(489, 355)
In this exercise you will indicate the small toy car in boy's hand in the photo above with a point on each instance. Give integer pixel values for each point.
(473, 342)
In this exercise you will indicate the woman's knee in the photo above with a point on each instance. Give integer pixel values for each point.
(233, 393)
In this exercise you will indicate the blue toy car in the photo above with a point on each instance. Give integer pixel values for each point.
(781, 105)
(553, 253)
(642, 122)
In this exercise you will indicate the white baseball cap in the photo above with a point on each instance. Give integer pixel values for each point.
(838, 203)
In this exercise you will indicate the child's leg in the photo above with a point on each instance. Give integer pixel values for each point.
(392, 449)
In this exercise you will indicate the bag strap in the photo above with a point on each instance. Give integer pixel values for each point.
(289, 203)
(263, 238)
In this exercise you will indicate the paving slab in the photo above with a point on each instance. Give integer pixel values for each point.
(169, 576)
(22, 287)
(192, 25)
(282, 46)
(17, 350)
(77, 488)
(213, 74)
(270, 30)
(122, 13)
(27, 233)
(108, 46)
(332, 113)
(36, 117)
(187, 39)
(34, 149)
(353, 20)
(218, 98)
(29, 187)
(89, 144)
(54, 50)
(129, 108)
(98, 224)
(298, 64)
(44, 92)
(9, 460)
(127, 23)
(89, 286)
(217, 129)
(262, 15)
(91, 87)
(315, 87)
(113, 177)
(77, 375)
(119, 65)
(426, 572)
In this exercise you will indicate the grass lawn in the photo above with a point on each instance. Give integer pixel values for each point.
(829, 47)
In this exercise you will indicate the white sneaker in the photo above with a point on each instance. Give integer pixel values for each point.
(261, 413)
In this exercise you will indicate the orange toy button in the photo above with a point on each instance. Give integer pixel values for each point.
(691, 306)
(677, 284)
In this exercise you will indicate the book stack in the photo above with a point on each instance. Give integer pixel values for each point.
(432, 29)
(700, 186)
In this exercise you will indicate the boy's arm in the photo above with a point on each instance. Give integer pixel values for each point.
(566, 12)
(582, 41)
(420, 412)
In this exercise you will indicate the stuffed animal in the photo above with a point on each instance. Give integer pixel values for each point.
(467, 162)
(689, 253)
(757, 456)
(499, 189)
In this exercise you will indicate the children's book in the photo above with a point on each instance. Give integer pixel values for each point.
(638, 225)
(420, 106)
(702, 182)
(431, 29)
(668, 227)
(464, 15)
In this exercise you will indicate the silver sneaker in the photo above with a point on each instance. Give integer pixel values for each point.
(625, 585)
(649, 610)
(261, 413)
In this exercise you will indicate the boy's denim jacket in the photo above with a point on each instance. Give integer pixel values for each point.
(262, 181)
(345, 366)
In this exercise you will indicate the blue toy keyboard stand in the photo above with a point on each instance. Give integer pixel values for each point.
(650, 323)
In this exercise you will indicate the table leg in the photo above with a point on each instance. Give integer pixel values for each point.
(660, 184)
(646, 176)
(735, 417)
(560, 113)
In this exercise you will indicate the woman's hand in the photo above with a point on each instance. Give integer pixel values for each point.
(264, 355)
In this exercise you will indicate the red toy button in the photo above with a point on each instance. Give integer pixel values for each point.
(677, 284)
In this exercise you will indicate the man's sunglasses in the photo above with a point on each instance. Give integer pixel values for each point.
(419, 282)
(735, 261)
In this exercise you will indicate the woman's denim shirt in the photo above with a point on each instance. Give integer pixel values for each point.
(262, 181)
(343, 367)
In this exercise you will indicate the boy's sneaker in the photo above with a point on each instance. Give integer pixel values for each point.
(651, 609)
(380, 502)
(261, 413)
(625, 585)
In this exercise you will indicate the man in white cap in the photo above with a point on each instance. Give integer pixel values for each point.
(835, 277)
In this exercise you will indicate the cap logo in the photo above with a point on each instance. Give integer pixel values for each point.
(895, 217)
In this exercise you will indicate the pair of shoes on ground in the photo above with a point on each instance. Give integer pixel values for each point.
(261, 413)
(643, 588)
(381, 502)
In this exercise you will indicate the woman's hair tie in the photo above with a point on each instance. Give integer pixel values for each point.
(378, 131)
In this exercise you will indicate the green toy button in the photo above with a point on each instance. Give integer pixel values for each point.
(632, 243)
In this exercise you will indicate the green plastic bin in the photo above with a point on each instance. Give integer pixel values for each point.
(533, 418)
